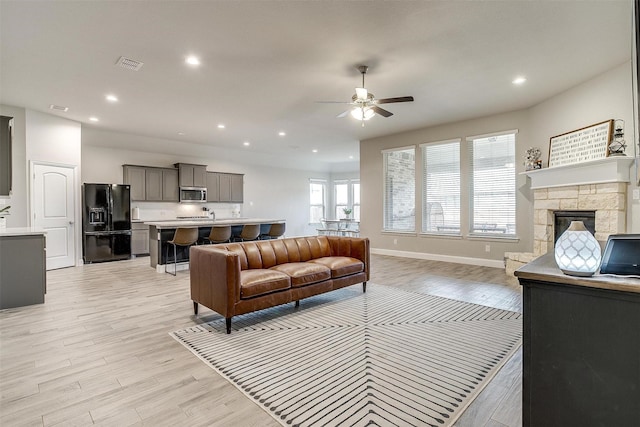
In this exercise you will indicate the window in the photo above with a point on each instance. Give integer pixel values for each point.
(347, 195)
(493, 184)
(356, 201)
(441, 187)
(341, 192)
(317, 200)
(399, 189)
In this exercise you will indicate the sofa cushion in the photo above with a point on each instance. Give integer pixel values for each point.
(340, 266)
(260, 282)
(304, 273)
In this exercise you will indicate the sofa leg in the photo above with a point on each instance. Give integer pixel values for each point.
(297, 303)
(228, 321)
(195, 308)
(364, 287)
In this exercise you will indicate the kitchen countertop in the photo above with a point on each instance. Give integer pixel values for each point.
(22, 231)
(210, 222)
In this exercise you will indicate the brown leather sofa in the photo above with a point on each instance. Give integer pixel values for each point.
(238, 278)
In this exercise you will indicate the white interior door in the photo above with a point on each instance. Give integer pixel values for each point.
(53, 210)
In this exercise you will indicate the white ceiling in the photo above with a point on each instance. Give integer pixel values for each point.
(265, 63)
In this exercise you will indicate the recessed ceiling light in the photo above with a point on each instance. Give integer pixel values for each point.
(93, 119)
(181, 133)
(519, 80)
(351, 157)
(246, 143)
(221, 126)
(281, 133)
(314, 150)
(111, 98)
(192, 60)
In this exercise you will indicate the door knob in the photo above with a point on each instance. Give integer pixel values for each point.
(70, 222)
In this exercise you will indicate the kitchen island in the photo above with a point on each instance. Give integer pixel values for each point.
(160, 232)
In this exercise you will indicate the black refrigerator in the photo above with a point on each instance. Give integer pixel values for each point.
(106, 222)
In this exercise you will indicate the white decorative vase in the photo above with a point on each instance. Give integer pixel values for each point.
(3, 223)
(577, 251)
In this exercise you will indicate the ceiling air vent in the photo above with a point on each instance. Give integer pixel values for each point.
(58, 108)
(129, 64)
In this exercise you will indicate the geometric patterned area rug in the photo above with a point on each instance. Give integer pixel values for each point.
(386, 357)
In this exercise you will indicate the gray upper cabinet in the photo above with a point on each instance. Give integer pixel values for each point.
(170, 190)
(6, 134)
(237, 188)
(135, 176)
(192, 175)
(213, 187)
(152, 184)
(231, 187)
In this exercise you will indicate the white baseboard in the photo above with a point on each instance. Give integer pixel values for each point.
(437, 257)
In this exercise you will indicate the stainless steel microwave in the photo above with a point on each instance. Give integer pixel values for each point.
(193, 195)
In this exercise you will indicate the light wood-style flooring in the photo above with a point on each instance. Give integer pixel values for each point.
(98, 350)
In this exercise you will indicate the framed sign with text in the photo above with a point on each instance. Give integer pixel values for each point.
(582, 145)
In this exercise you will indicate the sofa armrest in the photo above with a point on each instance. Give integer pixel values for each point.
(215, 278)
(355, 247)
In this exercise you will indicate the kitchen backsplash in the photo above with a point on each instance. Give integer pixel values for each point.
(150, 211)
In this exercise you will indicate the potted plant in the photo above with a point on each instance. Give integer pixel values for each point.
(347, 212)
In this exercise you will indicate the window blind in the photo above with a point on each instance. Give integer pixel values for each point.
(441, 187)
(399, 212)
(493, 184)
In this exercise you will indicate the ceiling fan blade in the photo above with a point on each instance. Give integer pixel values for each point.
(400, 99)
(343, 114)
(333, 102)
(381, 111)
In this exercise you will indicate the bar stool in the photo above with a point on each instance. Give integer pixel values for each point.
(249, 232)
(182, 237)
(220, 234)
(276, 230)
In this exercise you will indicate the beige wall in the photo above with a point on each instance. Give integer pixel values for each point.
(604, 97)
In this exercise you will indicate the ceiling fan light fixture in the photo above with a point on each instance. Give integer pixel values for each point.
(362, 93)
(362, 113)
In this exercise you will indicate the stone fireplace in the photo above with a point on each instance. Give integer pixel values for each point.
(598, 186)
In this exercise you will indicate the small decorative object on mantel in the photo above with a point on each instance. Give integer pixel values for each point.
(617, 146)
(532, 158)
(582, 145)
(4, 212)
(577, 251)
(347, 212)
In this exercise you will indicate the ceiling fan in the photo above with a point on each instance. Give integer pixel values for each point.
(365, 104)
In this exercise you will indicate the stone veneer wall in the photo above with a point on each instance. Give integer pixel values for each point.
(608, 200)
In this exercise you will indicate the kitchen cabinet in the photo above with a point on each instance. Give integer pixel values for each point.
(225, 187)
(152, 184)
(213, 187)
(23, 279)
(170, 188)
(6, 134)
(237, 188)
(192, 175)
(139, 239)
(135, 176)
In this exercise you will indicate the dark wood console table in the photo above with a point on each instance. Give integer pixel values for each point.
(581, 348)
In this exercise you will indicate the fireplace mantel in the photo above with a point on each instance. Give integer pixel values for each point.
(610, 169)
